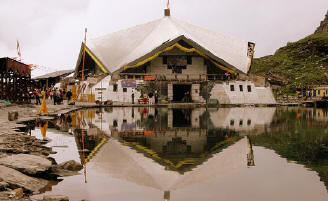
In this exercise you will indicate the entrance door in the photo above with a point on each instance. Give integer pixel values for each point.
(180, 92)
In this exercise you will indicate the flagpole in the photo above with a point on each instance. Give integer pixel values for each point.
(84, 47)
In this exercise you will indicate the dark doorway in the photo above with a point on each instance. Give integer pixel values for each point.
(182, 93)
(182, 117)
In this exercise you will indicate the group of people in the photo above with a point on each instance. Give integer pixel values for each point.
(149, 98)
(54, 94)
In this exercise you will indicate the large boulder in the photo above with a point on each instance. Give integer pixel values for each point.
(26, 163)
(70, 165)
(15, 178)
(65, 169)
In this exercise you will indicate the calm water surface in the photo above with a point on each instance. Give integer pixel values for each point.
(233, 154)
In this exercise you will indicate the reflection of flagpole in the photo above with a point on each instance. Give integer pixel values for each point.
(83, 154)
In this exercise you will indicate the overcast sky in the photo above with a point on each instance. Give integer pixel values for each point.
(50, 32)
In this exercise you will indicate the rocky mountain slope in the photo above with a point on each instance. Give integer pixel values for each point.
(297, 65)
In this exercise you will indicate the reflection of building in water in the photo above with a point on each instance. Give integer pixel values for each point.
(122, 162)
(89, 137)
(245, 120)
(320, 114)
(161, 148)
(148, 119)
(186, 133)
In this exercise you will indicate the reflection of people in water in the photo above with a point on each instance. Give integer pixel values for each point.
(187, 97)
(43, 125)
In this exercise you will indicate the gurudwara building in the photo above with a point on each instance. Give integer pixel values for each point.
(180, 62)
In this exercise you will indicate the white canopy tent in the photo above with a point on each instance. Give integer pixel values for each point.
(127, 47)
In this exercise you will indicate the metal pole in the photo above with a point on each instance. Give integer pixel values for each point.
(84, 46)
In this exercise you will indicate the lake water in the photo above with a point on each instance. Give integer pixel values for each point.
(228, 154)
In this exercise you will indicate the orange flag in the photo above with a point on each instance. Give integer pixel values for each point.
(18, 49)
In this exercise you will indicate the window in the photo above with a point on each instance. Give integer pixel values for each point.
(115, 123)
(125, 89)
(241, 88)
(232, 122)
(164, 59)
(240, 122)
(189, 60)
(232, 87)
(115, 87)
(249, 122)
(319, 92)
(124, 121)
(249, 88)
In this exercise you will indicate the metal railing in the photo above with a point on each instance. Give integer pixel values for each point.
(175, 77)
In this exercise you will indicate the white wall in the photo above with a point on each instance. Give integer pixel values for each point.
(116, 96)
(258, 95)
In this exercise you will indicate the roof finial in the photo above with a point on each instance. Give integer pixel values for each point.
(167, 12)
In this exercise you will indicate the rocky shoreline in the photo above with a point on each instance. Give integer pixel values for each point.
(25, 166)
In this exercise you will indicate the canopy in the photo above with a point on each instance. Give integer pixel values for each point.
(129, 47)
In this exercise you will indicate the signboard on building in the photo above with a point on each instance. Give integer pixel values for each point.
(149, 77)
(129, 84)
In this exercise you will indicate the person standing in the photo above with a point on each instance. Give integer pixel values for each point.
(156, 97)
(69, 95)
(37, 97)
(150, 95)
(132, 96)
(55, 96)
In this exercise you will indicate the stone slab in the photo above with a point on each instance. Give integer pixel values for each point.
(16, 178)
(26, 163)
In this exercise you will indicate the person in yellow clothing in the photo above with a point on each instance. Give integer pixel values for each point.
(43, 107)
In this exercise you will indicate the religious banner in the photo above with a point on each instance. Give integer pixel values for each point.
(177, 60)
(129, 83)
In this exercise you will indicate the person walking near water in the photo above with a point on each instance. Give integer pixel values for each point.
(43, 107)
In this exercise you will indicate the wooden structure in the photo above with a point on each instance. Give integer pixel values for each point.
(15, 80)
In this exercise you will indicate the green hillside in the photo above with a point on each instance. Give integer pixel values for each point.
(297, 65)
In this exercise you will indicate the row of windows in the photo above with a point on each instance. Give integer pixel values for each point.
(232, 122)
(241, 88)
(317, 91)
(188, 58)
(232, 88)
(115, 88)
